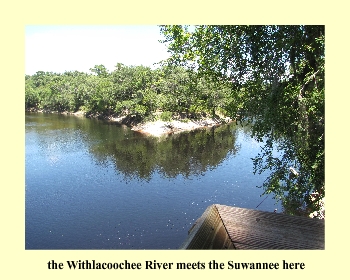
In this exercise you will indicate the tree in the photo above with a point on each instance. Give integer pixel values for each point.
(276, 75)
(100, 70)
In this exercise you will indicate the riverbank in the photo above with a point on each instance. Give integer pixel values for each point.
(155, 128)
(160, 128)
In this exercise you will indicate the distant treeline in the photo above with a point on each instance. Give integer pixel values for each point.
(136, 91)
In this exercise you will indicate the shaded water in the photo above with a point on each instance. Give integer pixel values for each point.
(96, 185)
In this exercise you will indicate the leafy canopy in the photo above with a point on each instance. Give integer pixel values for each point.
(276, 75)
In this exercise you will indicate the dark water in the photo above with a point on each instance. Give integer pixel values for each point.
(96, 185)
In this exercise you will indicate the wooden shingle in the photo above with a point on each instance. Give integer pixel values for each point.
(227, 227)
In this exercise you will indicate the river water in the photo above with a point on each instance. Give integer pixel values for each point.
(97, 185)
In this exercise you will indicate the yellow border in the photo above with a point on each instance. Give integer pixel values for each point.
(18, 263)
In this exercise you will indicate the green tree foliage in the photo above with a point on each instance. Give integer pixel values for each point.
(100, 70)
(136, 91)
(276, 76)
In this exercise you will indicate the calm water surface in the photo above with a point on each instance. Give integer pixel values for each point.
(96, 185)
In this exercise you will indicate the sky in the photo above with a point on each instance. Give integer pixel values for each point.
(79, 48)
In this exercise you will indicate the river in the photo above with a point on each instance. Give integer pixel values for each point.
(91, 184)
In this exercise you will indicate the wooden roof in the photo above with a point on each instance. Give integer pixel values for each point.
(227, 227)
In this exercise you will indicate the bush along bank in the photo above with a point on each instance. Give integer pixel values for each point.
(132, 94)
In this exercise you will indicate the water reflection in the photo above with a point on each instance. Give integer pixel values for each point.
(181, 154)
(96, 185)
(133, 154)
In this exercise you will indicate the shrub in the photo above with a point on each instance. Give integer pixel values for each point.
(166, 116)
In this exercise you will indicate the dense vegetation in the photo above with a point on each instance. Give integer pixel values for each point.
(136, 91)
(276, 74)
(272, 77)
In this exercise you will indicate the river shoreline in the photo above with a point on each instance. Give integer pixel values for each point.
(157, 128)
(160, 128)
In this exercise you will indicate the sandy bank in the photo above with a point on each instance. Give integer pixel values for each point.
(159, 128)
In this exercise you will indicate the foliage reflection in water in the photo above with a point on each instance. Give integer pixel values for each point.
(96, 185)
